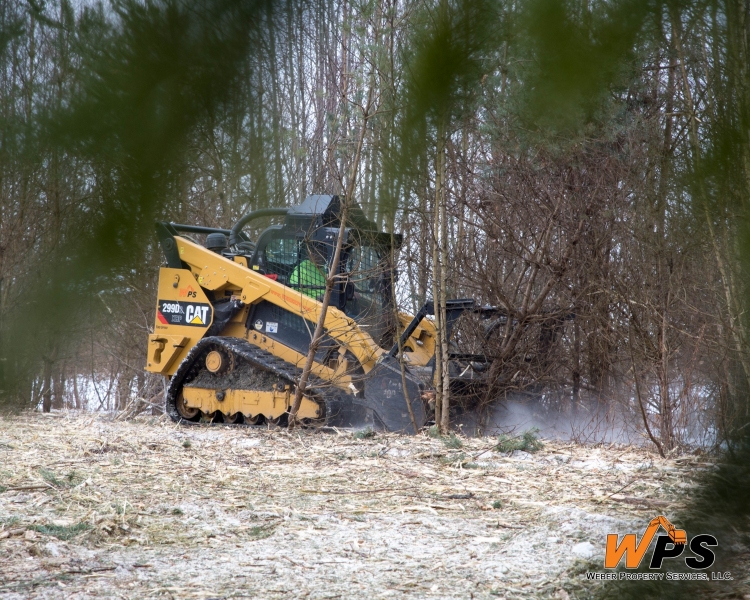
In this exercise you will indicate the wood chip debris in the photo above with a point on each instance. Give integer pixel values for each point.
(96, 506)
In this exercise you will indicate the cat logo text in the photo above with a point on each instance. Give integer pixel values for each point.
(177, 312)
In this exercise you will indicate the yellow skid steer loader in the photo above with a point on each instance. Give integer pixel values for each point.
(234, 321)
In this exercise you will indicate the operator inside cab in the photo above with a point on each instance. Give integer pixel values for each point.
(309, 276)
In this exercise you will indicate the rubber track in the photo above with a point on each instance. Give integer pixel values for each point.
(258, 358)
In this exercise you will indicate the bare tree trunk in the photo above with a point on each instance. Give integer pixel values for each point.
(664, 276)
(58, 387)
(76, 395)
(442, 267)
(436, 300)
(47, 386)
(576, 395)
(333, 274)
(397, 321)
(423, 249)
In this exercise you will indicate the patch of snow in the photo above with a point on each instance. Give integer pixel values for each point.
(584, 549)
(397, 452)
(589, 465)
(521, 455)
(247, 443)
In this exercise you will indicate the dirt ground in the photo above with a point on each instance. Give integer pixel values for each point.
(95, 507)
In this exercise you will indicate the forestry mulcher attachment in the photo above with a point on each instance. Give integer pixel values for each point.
(234, 322)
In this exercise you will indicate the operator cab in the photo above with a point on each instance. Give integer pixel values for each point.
(289, 253)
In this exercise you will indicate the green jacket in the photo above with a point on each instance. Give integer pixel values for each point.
(309, 278)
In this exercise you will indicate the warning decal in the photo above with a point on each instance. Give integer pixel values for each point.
(174, 312)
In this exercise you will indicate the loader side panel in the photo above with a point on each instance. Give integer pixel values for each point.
(289, 328)
(183, 316)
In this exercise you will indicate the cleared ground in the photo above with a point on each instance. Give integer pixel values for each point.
(94, 507)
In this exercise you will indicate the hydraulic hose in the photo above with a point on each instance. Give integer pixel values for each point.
(256, 214)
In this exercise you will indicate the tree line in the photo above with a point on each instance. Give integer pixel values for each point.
(583, 166)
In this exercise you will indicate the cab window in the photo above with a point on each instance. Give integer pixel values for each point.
(367, 271)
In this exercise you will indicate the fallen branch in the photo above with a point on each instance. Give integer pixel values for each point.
(631, 482)
(25, 488)
(644, 501)
(376, 491)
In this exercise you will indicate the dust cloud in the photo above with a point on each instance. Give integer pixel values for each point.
(588, 422)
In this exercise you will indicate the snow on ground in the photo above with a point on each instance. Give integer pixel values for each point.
(95, 507)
